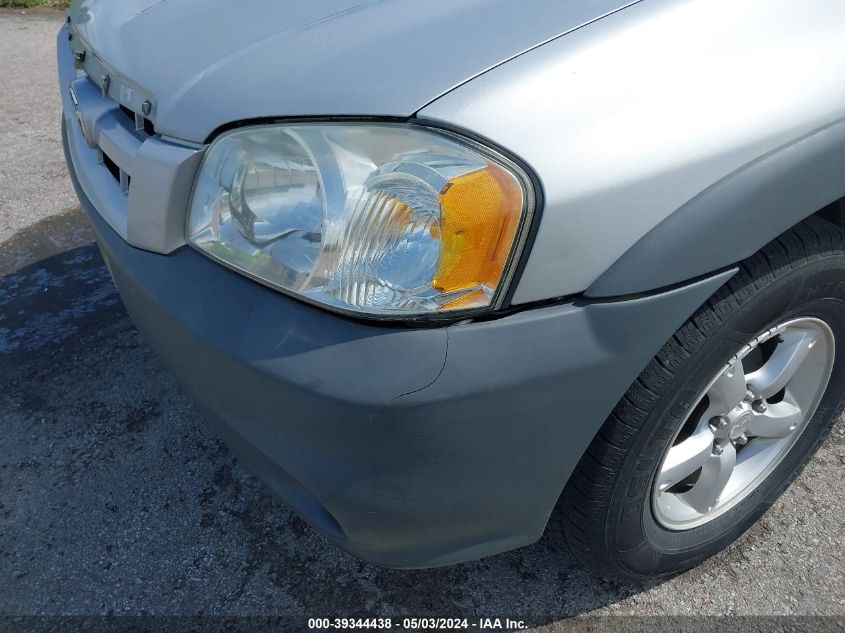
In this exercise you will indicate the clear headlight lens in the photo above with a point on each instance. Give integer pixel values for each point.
(381, 219)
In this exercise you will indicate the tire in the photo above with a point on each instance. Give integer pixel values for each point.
(608, 505)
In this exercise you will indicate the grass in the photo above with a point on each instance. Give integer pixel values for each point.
(23, 4)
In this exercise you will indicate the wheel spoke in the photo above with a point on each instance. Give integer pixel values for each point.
(715, 473)
(685, 458)
(779, 420)
(788, 356)
(729, 388)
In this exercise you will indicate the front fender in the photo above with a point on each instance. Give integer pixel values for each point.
(670, 139)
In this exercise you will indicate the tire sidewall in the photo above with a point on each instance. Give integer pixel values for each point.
(644, 547)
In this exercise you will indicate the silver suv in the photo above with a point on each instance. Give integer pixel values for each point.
(433, 269)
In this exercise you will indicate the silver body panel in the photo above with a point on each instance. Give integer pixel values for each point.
(204, 63)
(628, 120)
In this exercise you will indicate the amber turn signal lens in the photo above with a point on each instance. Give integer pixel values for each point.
(481, 212)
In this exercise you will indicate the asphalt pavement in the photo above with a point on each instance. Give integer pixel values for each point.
(117, 498)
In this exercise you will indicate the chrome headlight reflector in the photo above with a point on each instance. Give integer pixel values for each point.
(386, 220)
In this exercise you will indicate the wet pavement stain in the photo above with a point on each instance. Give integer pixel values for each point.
(52, 282)
(45, 238)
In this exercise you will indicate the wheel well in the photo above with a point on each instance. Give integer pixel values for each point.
(834, 212)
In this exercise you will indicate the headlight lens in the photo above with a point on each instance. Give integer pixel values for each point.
(378, 219)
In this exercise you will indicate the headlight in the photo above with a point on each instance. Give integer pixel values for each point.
(378, 219)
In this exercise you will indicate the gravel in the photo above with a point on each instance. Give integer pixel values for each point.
(116, 498)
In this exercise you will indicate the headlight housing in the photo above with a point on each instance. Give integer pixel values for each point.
(383, 220)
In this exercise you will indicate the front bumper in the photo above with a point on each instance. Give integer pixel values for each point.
(408, 447)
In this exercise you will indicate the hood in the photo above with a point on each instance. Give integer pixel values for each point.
(205, 63)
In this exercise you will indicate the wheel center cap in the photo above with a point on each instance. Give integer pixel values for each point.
(739, 424)
(736, 423)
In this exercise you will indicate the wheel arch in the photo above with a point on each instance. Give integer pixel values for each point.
(736, 216)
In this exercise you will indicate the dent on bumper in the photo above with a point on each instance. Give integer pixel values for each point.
(408, 447)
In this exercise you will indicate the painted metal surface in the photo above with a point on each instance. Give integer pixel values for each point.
(204, 63)
(641, 113)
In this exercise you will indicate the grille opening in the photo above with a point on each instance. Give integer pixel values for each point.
(138, 121)
(111, 166)
(129, 114)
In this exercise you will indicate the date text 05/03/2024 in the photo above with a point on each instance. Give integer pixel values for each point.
(418, 624)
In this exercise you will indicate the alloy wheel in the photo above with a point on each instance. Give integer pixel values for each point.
(745, 422)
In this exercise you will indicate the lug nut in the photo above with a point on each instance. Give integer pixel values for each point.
(718, 422)
(742, 440)
(760, 406)
(718, 449)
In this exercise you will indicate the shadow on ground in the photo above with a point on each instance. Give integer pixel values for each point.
(116, 497)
